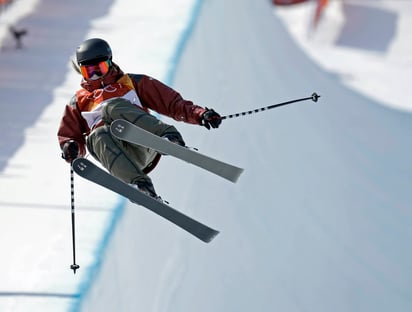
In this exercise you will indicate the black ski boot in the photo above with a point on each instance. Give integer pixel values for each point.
(147, 188)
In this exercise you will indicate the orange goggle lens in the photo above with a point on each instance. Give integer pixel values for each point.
(95, 71)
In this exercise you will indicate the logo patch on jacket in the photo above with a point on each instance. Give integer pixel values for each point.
(91, 103)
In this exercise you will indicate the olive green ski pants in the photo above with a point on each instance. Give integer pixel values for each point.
(125, 160)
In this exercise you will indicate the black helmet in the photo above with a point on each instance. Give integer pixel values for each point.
(93, 50)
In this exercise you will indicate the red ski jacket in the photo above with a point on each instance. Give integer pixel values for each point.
(81, 115)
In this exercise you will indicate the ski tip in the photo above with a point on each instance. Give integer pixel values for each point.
(211, 236)
(234, 177)
(240, 172)
(117, 126)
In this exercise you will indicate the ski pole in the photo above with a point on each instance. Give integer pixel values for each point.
(314, 97)
(74, 266)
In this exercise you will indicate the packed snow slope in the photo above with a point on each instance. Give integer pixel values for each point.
(363, 42)
(319, 221)
(321, 218)
(35, 229)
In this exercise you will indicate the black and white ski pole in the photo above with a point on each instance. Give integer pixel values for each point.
(314, 97)
(74, 266)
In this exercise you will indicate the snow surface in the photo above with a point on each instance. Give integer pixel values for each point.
(319, 221)
(362, 42)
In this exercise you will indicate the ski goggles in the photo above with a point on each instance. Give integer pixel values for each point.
(95, 71)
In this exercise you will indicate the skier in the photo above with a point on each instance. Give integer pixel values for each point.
(108, 94)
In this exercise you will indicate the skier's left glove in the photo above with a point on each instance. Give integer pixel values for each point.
(70, 151)
(210, 119)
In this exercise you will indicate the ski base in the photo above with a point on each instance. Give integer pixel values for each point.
(88, 170)
(126, 131)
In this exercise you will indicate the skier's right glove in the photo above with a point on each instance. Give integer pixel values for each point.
(210, 119)
(70, 151)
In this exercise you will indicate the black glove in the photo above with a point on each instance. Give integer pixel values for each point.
(210, 119)
(70, 151)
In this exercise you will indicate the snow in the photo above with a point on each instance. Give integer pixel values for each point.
(372, 57)
(319, 221)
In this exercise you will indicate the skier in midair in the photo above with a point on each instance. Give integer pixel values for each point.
(108, 94)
